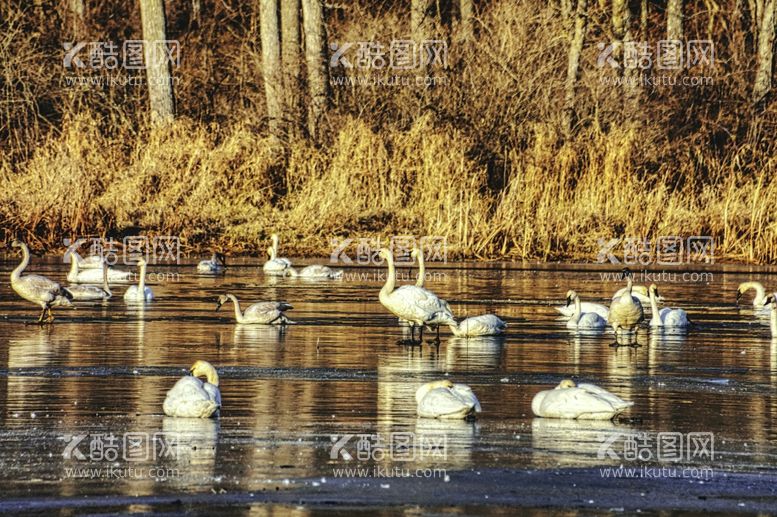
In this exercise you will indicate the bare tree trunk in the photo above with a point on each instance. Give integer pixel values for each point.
(763, 75)
(621, 28)
(573, 64)
(160, 87)
(467, 13)
(196, 10)
(290, 56)
(643, 20)
(317, 63)
(674, 20)
(271, 64)
(77, 10)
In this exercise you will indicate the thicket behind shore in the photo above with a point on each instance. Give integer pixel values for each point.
(482, 158)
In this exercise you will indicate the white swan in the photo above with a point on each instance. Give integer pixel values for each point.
(640, 292)
(414, 304)
(216, 264)
(586, 307)
(772, 300)
(276, 265)
(584, 402)
(666, 317)
(760, 300)
(190, 397)
(484, 325)
(140, 292)
(580, 319)
(626, 311)
(264, 313)
(444, 399)
(95, 275)
(36, 288)
(88, 293)
(316, 271)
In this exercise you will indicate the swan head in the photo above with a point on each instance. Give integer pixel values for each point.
(17, 243)
(142, 262)
(429, 386)
(221, 301)
(626, 273)
(385, 254)
(653, 289)
(571, 295)
(771, 299)
(219, 257)
(204, 369)
(566, 383)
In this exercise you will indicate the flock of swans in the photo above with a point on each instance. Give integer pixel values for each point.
(414, 306)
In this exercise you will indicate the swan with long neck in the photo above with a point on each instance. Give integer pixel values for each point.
(140, 292)
(276, 265)
(262, 313)
(416, 305)
(84, 293)
(666, 317)
(760, 299)
(37, 289)
(626, 311)
(580, 319)
(192, 398)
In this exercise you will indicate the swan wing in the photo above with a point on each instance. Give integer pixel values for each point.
(591, 320)
(626, 311)
(613, 400)
(575, 403)
(188, 398)
(37, 288)
(485, 325)
(444, 403)
(419, 305)
(466, 395)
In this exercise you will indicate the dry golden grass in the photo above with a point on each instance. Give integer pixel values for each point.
(480, 160)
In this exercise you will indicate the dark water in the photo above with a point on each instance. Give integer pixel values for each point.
(103, 369)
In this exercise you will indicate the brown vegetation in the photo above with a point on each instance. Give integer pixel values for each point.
(482, 158)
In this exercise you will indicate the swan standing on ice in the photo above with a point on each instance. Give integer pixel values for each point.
(37, 288)
(95, 275)
(216, 264)
(276, 265)
(190, 397)
(262, 313)
(584, 402)
(140, 292)
(666, 317)
(444, 399)
(580, 319)
(485, 325)
(315, 271)
(626, 311)
(416, 305)
(760, 300)
(89, 293)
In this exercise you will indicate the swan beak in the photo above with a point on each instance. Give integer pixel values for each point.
(218, 305)
(739, 295)
(569, 300)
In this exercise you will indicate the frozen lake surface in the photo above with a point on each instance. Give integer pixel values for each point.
(79, 397)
